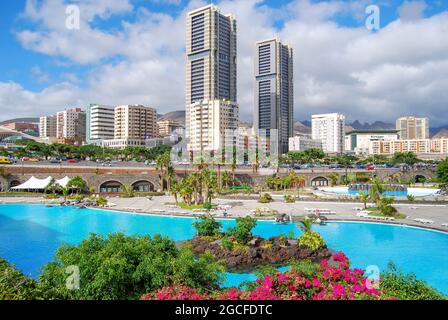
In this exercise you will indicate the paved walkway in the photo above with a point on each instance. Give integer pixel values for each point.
(344, 211)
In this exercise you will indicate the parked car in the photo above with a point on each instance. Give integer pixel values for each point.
(57, 161)
(72, 161)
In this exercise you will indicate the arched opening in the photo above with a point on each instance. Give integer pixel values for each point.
(143, 186)
(420, 179)
(320, 182)
(14, 183)
(111, 187)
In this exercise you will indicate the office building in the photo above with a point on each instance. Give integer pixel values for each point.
(302, 143)
(358, 141)
(274, 103)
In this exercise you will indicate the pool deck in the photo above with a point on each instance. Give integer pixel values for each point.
(344, 211)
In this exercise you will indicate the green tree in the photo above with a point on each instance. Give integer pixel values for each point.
(128, 191)
(207, 226)
(78, 184)
(334, 177)
(442, 172)
(364, 197)
(242, 232)
(408, 158)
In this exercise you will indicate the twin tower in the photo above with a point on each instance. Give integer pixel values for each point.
(211, 75)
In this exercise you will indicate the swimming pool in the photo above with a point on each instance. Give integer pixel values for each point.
(30, 234)
(416, 192)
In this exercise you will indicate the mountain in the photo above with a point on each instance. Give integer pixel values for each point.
(178, 116)
(442, 133)
(28, 120)
(377, 125)
(301, 128)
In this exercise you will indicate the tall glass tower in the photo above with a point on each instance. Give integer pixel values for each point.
(210, 57)
(274, 90)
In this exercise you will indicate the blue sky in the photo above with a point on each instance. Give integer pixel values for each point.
(131, 51)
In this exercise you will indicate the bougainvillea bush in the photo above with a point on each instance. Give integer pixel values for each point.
(332, 280)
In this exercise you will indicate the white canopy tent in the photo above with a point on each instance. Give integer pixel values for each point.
(34, 184)
(63, 182)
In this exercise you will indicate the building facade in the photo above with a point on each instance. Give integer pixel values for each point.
(167, 127)
(430, 148)
(71, 126)
(48, 127)
(135, 122)
(100, 123)
(302, 143)
(210, 57)
(330, 130)
(209, 122)
(274, 90)
(412, 128)
(358, 141)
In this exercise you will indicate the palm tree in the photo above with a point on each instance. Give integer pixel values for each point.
(364, 197)
(128, 191)
(175, 190)
(226, 178)
(233, 167)
(163, 162)
(77, 183)
(305, 225)
(334, 178)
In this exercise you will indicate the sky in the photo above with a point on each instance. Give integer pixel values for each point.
(133, 52)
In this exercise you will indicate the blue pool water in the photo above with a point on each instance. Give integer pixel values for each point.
(416, 192)
(30, 234)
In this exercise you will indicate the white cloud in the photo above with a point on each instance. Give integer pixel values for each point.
(398, 70)
(412, 10)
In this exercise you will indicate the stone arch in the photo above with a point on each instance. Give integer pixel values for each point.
(419, 178)
(320, 182)
(143, 186)
(111, 186)
(14, 183)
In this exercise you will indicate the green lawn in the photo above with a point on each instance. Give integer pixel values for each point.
(185, 206)
(376, 213)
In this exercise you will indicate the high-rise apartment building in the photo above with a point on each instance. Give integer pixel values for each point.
(413, 128)
(100, 123)
(209, 123)
(274, 90)
(330, 129)
(71, 126)
(135, 122)
(210, 57)
(47, 127)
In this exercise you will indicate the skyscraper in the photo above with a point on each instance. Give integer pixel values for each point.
(71, 126)
(412, 128)
(47, 127)
(274, 90)
(210, 63)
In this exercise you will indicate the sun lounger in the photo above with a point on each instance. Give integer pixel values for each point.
(424, 221)
(444, 225)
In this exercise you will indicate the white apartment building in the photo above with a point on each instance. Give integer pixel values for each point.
(71, 126)
(48, 127)
(330, 129)
(100, 123)
(412, 128)
(302, 143)
(358, 141)
(209, 121)
(430, 148)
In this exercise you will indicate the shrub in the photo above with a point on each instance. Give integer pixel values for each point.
(289, 199)
(411, 198)
(226, 243)
(305, 267)
(311, 240)
(242, 232)
(207, 226)
(207, 206)
(121, 267)
(51, 196)
(265, 198)
(101, 201)
(14, 285)
(406, 287)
